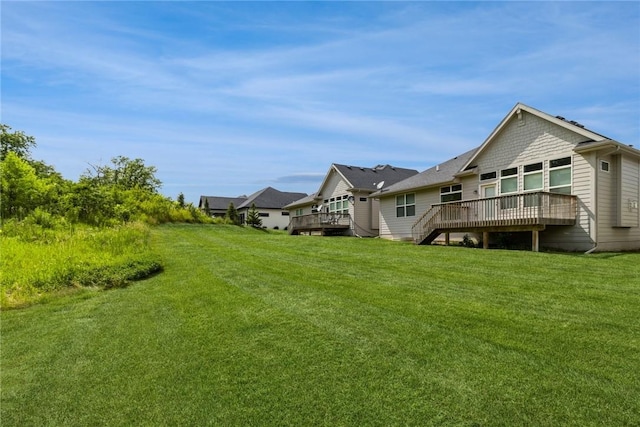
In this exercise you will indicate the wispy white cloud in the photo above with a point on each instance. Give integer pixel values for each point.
(253, 92)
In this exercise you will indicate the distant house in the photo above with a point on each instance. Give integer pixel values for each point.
(343, 205)
(269, 202)
(566, 186)
(217, 206)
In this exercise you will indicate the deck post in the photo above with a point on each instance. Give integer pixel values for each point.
(446, 239)
(485, 240)
(535, 241)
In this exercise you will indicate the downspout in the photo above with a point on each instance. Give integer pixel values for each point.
(595, 194)
(597, 172)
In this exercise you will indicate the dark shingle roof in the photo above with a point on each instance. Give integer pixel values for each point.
(307, 200)
(270, 198)
(221, 203)
(439, 174)
(368, 178)
(267, 198)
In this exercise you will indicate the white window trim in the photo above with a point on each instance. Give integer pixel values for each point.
(451, 192)
(525, 174)
(405, 205)
(569, 166)
(515, 175)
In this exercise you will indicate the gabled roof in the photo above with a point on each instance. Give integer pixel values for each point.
(437, 175)
(368, 179)
(305, 201)
(270, 198)
(267, 198)
(571, 125)
(448, 171)
(220, 203)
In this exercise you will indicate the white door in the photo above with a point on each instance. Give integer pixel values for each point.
(489, 191)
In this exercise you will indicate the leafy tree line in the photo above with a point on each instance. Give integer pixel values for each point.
(123, 190)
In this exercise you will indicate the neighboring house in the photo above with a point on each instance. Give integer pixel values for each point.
(269, 203)
(343, 204)
(217, 206)
(568, 187)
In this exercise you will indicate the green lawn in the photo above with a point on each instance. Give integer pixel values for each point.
(246, 327)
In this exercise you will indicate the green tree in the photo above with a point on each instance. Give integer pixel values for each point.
(232, 214)
(126, 174)
(16, 142)
(21, 191)
(181, 203)
(90, 203)
(253, 217)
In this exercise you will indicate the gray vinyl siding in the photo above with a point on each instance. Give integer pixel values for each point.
(629, 190)
(582, 236)
(615, 189)
(533, 140)
(306, 210)
(520, 144)
(361, 211)
(613, 224)
(394, 228)
(334, 186)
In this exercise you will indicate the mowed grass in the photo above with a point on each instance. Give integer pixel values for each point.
(246, 327)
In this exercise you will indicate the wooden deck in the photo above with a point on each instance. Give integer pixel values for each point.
(322, 223)
(518, 212)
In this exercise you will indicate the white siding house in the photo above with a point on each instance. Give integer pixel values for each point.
(269, 203)
(571, 188)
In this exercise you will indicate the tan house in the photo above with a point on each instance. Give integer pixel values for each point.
(537, 175)
(342, 205)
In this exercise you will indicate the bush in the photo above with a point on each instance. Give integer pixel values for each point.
(467, 242)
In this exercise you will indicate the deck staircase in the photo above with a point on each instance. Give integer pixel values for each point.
(516, 212)
(424, 230)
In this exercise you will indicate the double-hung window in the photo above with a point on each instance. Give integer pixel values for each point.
(509, 185)
(533, 181)
(405, 205)
(560, 175)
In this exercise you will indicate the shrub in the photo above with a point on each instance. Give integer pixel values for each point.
(467, 242)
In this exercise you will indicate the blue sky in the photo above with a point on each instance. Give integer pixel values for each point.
(226, 98)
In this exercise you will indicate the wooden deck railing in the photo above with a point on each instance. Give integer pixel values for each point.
(530, 209)
(319, 221)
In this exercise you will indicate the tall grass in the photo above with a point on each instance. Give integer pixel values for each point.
(37, 261)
